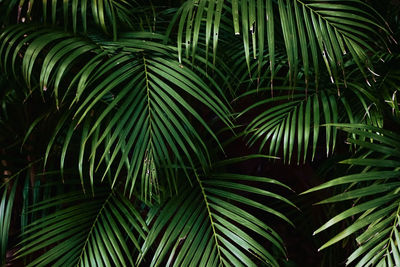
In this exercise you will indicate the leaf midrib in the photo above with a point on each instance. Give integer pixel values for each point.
(92, 227)
(209, 216)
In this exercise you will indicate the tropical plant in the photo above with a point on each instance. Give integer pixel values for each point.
(129, 129)
(374, 192)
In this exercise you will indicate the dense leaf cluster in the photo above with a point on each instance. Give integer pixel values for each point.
(127, 128)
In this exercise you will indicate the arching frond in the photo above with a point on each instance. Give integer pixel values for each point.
(211, 224)
(104, 230)
(293, 122)
(312, 31)
(76, 15)
(134, 104)
(374, 215)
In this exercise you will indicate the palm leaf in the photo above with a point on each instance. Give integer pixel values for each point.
(331, 30)
(209, 225)
(6, 211)
(140, 96)
(106, 15)
(374, 192)
(91, 231)
(291, 121)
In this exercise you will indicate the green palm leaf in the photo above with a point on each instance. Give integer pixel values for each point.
(209, 225)
(291, 121)
(106, 15)
(144, 121)
(374, 192)
(6, 211)
(102, 230)
(331, 30)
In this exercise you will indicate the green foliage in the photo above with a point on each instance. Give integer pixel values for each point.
(209, 227)
(90, 231)
(374, 193)
(6, 205)
(309, 29)
(128, 130)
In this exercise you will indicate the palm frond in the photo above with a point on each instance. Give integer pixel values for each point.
(210, 225)
(291, 120)
(108, 16)
(102, 230)
(135, 103)
(375, 196)
(311, 31)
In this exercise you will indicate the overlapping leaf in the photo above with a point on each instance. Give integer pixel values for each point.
(101, 231)
(290, 122)
(133, 104)
(374, 191)
(312, 31)
(211, 225)
(78, 15)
